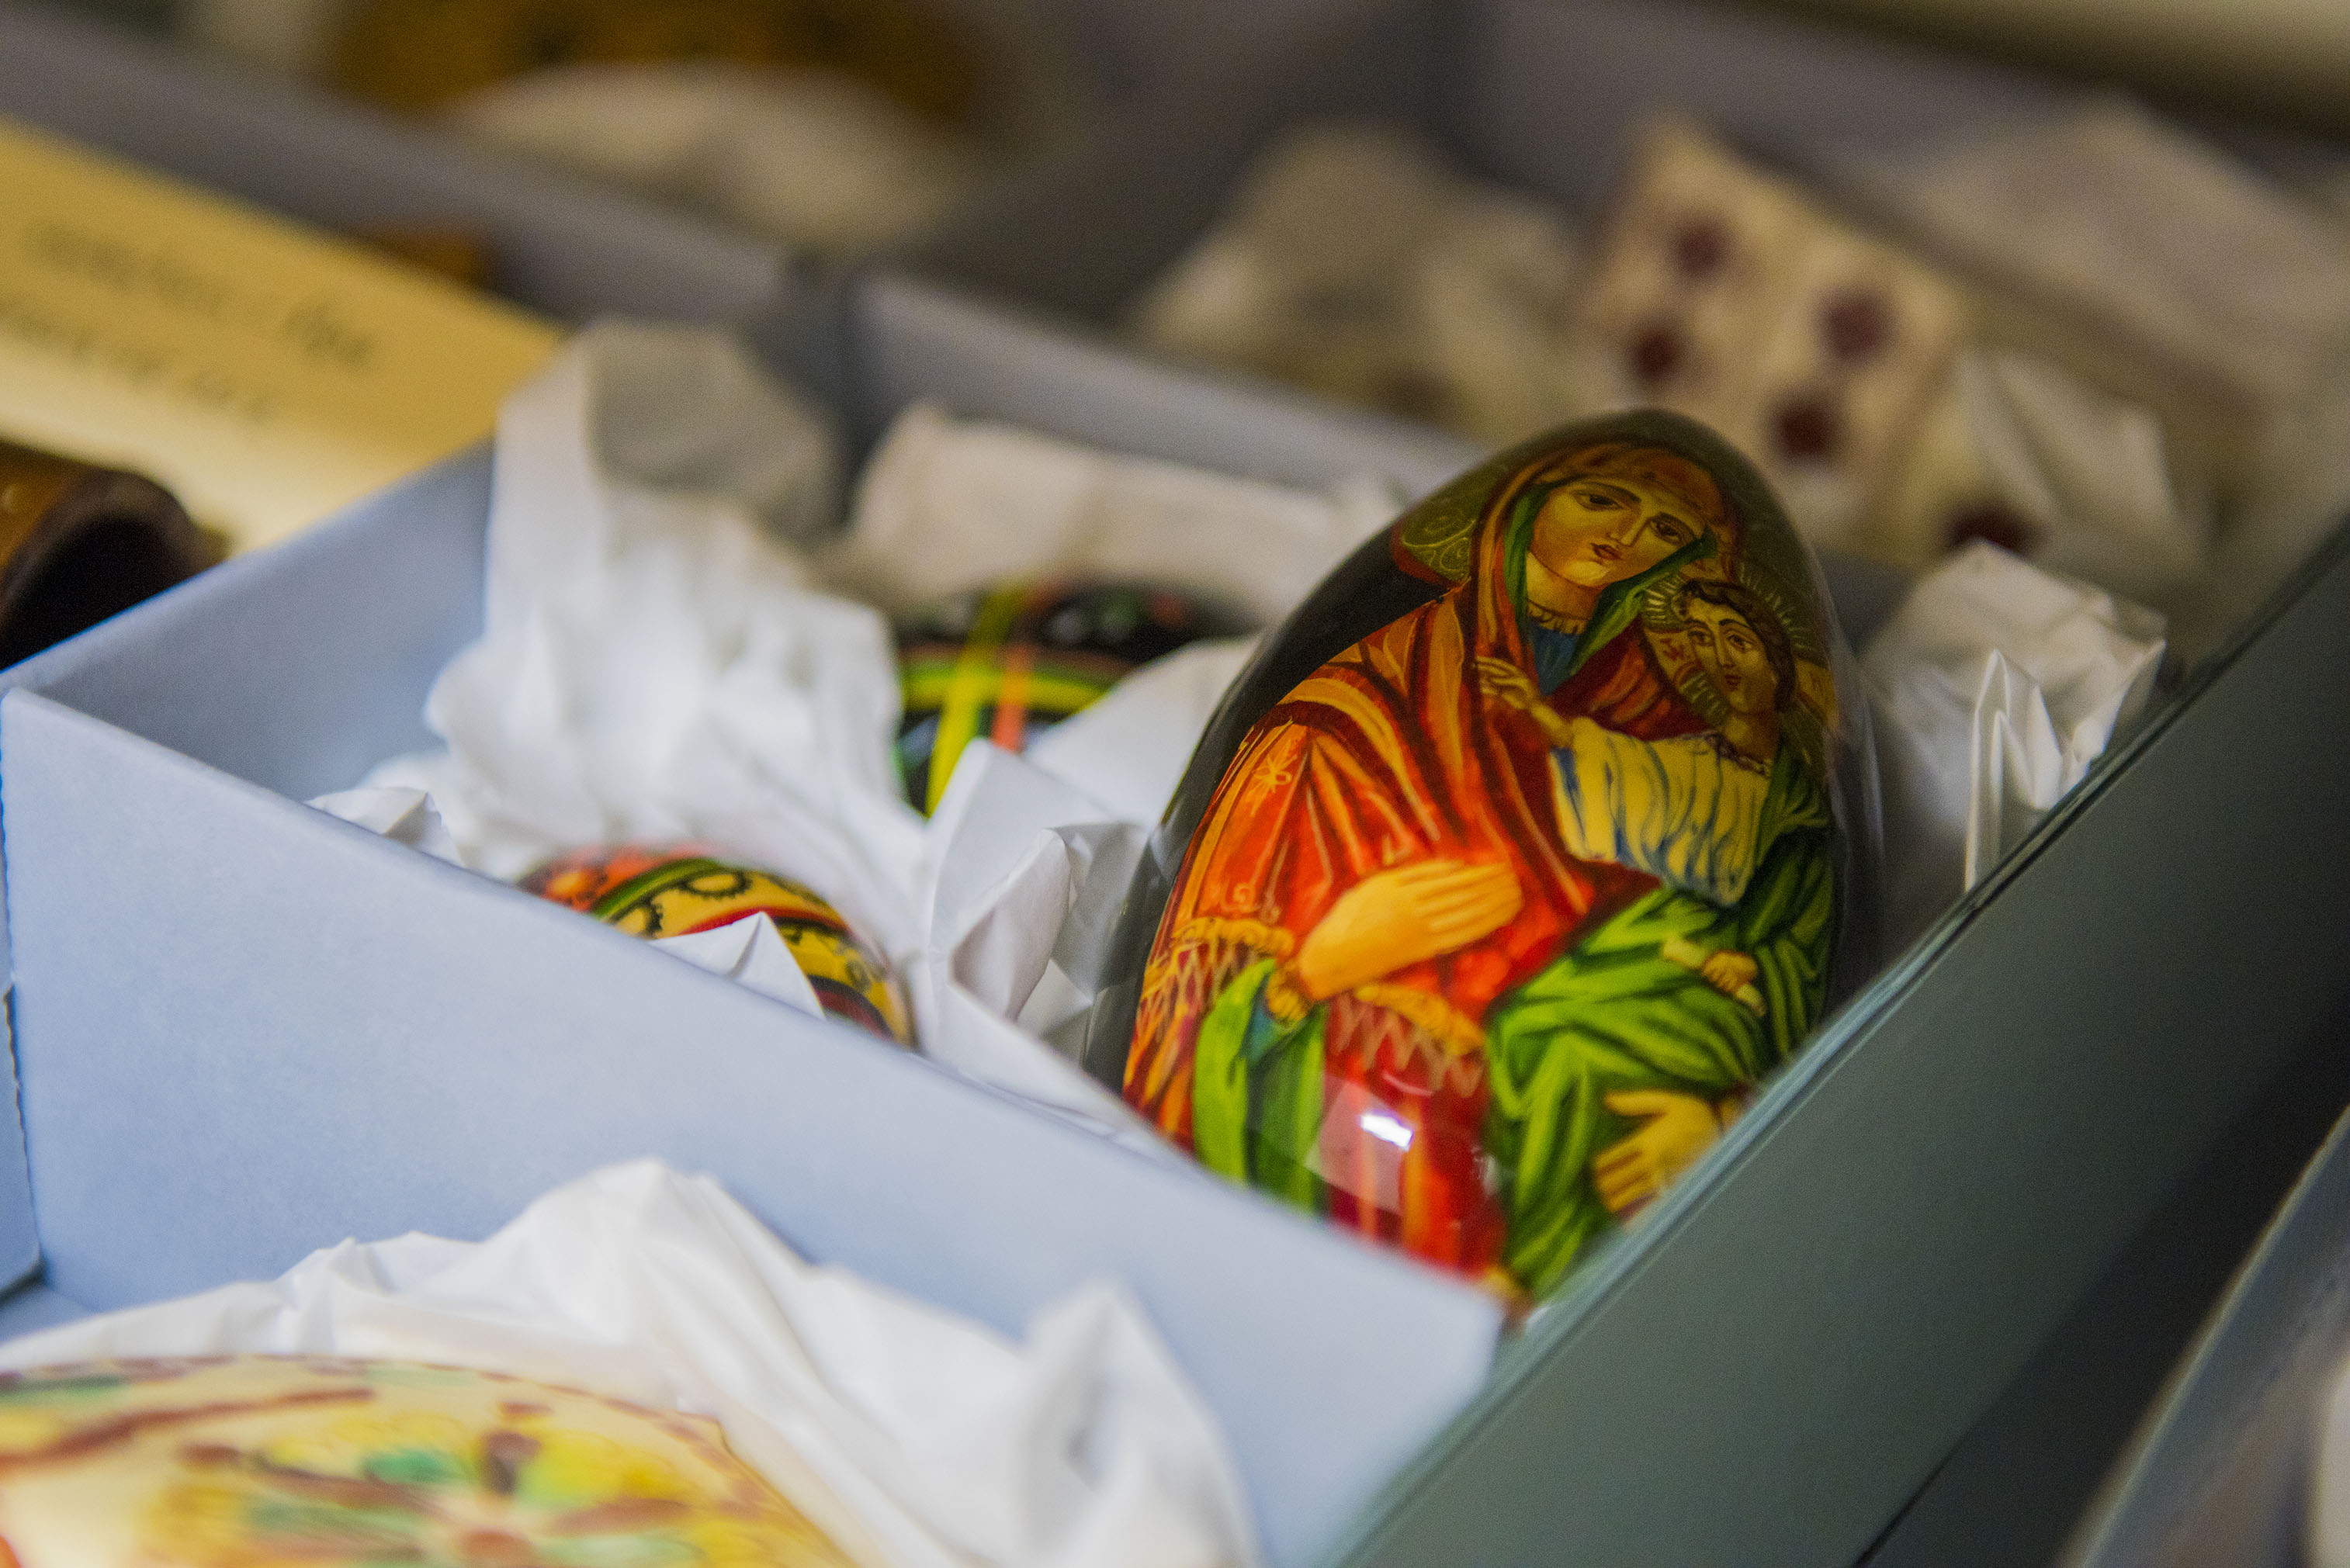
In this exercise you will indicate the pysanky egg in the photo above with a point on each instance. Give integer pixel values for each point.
(248, 1460)
(1008, 662)
(1517, 860)
(669, 890)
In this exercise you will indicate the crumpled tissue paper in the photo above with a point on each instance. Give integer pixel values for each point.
(2190, 286)
(1028, 858)
(812, 158)
(661, 661)
(915, 1437)
(1995, 686)
(2018, 450)
(749, 951)
(947, 504)
(2230, 292)
(1353, 262)
(655, 664)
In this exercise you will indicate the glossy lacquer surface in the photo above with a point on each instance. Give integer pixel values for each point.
(1516, 862)
(676, 889)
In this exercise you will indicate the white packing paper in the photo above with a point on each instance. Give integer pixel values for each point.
(654, 665)
(918, 1438)
(403, 816)
(749, 951)
(813, 158)
(2082, 479)
(949, 505)
(2182, 255)
(659, 662)
(1353, 262)
(1995, 686)
(1128, 751)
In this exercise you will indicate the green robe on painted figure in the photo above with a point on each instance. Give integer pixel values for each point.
(1629, 1008)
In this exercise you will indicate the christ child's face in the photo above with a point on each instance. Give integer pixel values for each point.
(1734, 657)
(1598, 532)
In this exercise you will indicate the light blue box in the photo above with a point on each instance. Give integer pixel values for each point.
(1766, 1371)
(262, 1030)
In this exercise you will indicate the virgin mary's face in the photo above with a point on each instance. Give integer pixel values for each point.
(1598, 532)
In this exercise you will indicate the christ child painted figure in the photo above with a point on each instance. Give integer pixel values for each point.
(1626, 1059)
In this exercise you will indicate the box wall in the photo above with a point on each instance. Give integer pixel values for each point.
(301, 666)
(262, 1030)
(1796, 1346)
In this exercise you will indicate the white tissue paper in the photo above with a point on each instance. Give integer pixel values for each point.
(403, 816)
(2017, 444)
(749, 952)
(657, 664)
(1029, 857)
(1128, 752)
(947, 504)
(915, 1437)
(2219, 282)
(1995, 686)
(1353, 262)
(812, 158)
(653, 665)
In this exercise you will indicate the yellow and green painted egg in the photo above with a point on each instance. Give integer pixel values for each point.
(672, 890)
(1008, 662)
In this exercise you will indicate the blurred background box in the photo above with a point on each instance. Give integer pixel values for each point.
(561, 245)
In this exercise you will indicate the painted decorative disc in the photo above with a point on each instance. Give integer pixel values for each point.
(260, 1461)
(669, 890)
(1006, 663)
(1513, 865)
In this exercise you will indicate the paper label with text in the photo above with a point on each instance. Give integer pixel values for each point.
(266, 373)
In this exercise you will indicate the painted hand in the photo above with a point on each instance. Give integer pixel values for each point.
(1505, 682)
(1730, 973)
(1404, 916)
(1675, 1129)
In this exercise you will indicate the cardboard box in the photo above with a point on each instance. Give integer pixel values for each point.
(2218, 1473)
(337, 1036)
(1543, 95)
(243, 1030)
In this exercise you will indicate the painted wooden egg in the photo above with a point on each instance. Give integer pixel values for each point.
(1515, 862)
(669, 890)
(242, 1461)
(1008, 662)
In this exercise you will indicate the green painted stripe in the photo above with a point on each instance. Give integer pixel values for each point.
(647, 882)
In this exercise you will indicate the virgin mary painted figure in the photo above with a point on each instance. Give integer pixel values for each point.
(1396, 862)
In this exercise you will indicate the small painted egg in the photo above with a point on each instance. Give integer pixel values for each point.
(1006, 663)
(671, 889)
(236, 1462)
